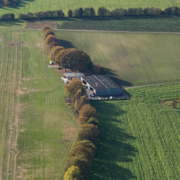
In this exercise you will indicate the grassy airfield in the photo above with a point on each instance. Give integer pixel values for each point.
(37, 127)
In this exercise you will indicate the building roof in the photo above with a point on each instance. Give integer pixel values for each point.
(100, 82)
(74, 74)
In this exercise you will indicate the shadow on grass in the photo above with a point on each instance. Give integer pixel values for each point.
(111, 74)
(66, 44)
(113, 147)
(22, 3)
(12, 23)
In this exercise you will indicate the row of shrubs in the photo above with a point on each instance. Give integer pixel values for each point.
(79, 160)
(6, 17)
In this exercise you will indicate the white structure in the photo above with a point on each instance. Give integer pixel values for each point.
(69, 76)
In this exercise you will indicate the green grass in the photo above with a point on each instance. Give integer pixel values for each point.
(147, 23)
(13, 24)
(130, 58)
(139, 138)
(37, 127)
(44, 5)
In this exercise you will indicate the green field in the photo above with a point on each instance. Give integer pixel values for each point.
(37, 127)
(130, 58)
(139, 137)
(127, 23)
(25, 6)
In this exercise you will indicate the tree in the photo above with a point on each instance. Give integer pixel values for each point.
(45, 28)
(174, 103)
(70, 13)
(52, 44)
(73, 173)
(54, 51)
(83, 165)
(72, 88)
(89, 12)
(51, 38)
(94, 121)
(103, 12)
(79, 150)
(80, 92)
(88, 132)
(86, 112)
(85, 143)
(77, 60)
(47, 33)
(8, 16)
(80, 102)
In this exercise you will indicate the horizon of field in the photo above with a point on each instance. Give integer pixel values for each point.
(25, 6)
(139, 138)
(129, 58)
(37, 127)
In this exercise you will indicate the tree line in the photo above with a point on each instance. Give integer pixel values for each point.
(79, 160)
(102, 12)
(74, 59)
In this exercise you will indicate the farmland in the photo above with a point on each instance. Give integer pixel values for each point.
(130, 58)
(37, 127)
(25, 6)
(139, 137)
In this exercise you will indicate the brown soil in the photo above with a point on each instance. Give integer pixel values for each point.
(17, 43)
(39, 24)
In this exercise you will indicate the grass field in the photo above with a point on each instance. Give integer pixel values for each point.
(37, 127)
(25, 6)
(130, 58)
(139, 138)
(147, 23)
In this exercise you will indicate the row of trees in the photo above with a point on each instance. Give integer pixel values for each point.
(6, 17)
(42, 15)
(79, 161)
(72, 58)
(10, 2)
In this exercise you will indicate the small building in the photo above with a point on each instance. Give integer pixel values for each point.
(101, 85)
(69, 76)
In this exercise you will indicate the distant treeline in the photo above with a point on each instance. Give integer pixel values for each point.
(10, 2)
(102, 12)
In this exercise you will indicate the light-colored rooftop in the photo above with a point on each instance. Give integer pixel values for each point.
(74, 74)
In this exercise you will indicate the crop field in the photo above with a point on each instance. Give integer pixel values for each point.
(37, 127)
(25, 6)
(139, 137)
(130, 58)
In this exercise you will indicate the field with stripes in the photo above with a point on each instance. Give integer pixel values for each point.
(25, 6)
(37, 127)
(139, 137)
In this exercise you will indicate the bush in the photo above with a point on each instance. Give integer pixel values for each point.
(70, 13)
(80, 92)
(73, 173)
(78, 12)
(86, 112)
(118, 12)
(7, 17)
(94, 121)
(83, 165)
(87, 144)
(88, 132)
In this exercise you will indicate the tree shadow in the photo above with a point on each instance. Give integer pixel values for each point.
(15, 22)
(22, 3)
(113, 147)
(112, 75)
(66, 44)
